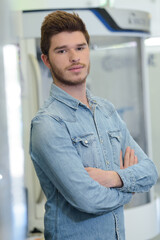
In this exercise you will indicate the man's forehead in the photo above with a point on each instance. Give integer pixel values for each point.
(68, 38)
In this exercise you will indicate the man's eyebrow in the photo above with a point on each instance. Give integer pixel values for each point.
(65, 46)
(81, 44)
(60, 47)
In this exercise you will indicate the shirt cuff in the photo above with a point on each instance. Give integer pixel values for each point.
(128, 180)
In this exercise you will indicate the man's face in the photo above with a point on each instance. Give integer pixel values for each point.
(68, 58)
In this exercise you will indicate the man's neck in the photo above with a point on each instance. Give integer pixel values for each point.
(76, 91)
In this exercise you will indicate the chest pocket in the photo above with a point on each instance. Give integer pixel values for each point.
(87, 149)
(115, 138)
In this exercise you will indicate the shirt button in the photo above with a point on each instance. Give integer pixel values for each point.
(107, 162)
(86, 141)
(101, 140)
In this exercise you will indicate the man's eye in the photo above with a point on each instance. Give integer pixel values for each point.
(62, 51)
(80, 48)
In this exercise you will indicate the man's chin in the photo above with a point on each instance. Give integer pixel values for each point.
(72, 82)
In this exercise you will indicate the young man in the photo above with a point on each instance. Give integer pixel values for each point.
(87, 163)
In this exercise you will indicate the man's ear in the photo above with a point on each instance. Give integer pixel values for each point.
(45, 60)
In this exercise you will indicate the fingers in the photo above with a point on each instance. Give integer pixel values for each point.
(135, 160)
(127, 157)
(130, 159)
(121, 160)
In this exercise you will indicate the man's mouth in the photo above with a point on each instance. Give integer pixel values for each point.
(75, 68)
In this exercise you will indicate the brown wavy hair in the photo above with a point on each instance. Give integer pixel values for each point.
(57, 22)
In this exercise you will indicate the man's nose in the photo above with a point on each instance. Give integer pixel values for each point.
(74, 56)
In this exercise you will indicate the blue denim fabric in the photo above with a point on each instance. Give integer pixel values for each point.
(66, 136)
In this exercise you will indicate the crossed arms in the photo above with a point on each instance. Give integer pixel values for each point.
(111, 178)
(57, 160)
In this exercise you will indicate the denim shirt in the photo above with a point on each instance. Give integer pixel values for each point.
(66, 136)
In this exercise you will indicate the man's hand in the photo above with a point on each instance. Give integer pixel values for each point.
(129, 158)
(111, 178)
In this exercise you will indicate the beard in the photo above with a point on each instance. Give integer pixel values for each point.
(59, 76)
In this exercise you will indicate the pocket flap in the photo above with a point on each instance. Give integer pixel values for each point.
(115, 134)
(86, 140)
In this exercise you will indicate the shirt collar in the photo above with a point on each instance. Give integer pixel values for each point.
(64, 97)
(67, 99)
